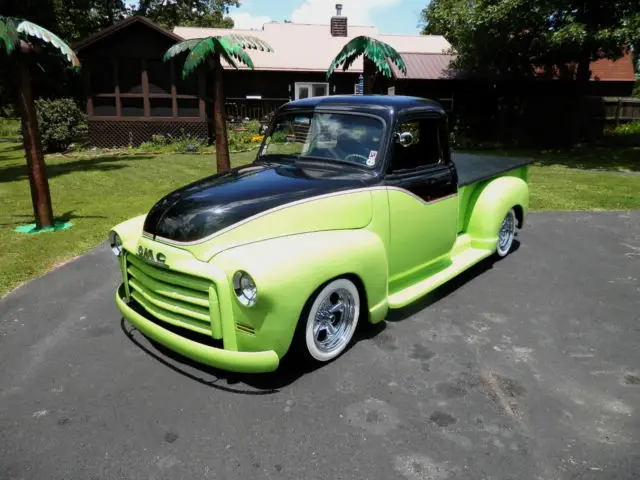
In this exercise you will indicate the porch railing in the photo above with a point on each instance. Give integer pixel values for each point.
(239, 109)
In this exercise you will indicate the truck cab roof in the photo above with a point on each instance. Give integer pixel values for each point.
(389, 106)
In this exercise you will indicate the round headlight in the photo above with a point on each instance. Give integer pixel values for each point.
(245, 288)
(116, 243)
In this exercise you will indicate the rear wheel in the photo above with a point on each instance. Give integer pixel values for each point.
(507, 233)
(331, 320)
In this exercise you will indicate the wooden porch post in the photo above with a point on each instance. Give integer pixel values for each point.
(201, 95)
(116, 83)
(145, 88)
(174, 90)
(86, 72)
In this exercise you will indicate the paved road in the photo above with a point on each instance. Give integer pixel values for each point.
(525, 369)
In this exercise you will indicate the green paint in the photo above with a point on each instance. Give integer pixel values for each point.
(33, 229)
(393, 244)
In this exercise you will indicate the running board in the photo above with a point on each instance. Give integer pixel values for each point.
(459, 263)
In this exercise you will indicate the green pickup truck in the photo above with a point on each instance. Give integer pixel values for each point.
(353, 206)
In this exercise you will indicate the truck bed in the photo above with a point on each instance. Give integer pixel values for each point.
(474, 168)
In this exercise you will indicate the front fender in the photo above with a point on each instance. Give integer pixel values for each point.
(489, 207)
(287, 271)
(131, 228)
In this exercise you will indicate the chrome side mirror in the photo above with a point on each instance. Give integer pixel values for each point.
(405, 139)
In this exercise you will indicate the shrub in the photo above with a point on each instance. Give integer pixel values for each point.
(58, 121)
(240, 140)
(278, 137)
(624, 129)
(185, 144)
(9, 127)
(253, 126)
(159, 140)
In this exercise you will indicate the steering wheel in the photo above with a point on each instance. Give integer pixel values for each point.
(357, 156)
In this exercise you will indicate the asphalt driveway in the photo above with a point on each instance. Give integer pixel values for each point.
(528, 368)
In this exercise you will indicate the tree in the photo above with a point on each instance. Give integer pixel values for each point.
(515, 39)
(188, 13)
(77, 19)
(509, 38)
(16, 36)
(227, 47)
(379, 53)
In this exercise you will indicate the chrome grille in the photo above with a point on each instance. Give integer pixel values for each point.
(176, 298)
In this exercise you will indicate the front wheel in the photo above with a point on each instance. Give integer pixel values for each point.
(507, 233)
(331, 320)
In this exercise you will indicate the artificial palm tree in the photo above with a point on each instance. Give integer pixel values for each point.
(231, 48)
(16, 37)
(379, 53)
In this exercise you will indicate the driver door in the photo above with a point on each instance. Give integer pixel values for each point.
(423, 203)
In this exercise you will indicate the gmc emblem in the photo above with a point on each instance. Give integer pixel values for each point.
(147, 255)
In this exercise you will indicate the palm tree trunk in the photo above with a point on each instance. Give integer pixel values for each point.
(40, 196)
(219, 118)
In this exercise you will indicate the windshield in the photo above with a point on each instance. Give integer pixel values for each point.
(327, 136)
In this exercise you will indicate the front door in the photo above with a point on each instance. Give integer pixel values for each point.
(423, 203)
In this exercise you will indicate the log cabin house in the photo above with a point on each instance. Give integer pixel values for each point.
(132, 94)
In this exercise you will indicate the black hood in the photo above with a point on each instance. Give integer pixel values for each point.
(214, 203)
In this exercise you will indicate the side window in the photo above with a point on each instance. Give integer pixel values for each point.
(416, 144)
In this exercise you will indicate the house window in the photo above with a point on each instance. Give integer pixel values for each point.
(306, 90)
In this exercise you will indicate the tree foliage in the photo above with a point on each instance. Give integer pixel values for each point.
(77, 19)
(73, 20)
(187, 13)
(510, 38)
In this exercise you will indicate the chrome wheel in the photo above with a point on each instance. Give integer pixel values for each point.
(507, 233)
(332, 320)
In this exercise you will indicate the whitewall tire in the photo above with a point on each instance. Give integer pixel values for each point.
(507, 233)
(331, 320)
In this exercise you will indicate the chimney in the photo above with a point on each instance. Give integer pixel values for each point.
(338, 23)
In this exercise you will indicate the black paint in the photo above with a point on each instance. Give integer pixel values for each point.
(214, 203)
(476, 168)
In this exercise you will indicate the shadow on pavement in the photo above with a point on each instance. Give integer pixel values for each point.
(242, 383)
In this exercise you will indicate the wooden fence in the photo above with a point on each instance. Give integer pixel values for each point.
(614, 109)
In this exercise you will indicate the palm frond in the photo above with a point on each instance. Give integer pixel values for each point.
(235, 50)
(181, 47)
(251, 43)
(224, 49)
(8, 34)
(198, 54)
(352, 50)
(380, 53)
(30, 29)
(394, 57)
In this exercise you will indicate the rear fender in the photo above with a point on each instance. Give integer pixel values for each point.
(489, 206)
(288, 270)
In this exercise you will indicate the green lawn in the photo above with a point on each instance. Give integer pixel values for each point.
(587, 178)
(97, 192)
(93, 193)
